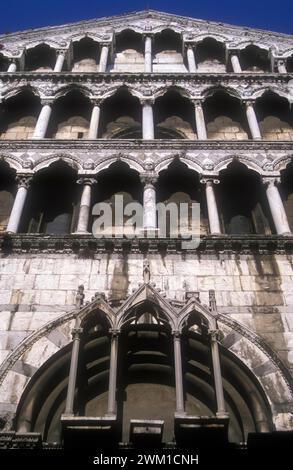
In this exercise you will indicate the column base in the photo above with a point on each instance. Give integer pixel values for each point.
(222, 414)
(286, 234)
(149, 232)
(81, 232)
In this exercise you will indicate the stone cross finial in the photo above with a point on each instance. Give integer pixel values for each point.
(79, 296)
(146, 271)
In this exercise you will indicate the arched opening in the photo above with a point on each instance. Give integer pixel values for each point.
(174, 117)
(40, 58)
(85, 55)
(129, 52)
(168, 52)
(4, 63)
(289, 64)
(286, 191)
(7, 193)
(224, 116)
(70, 117)
(118, 186)
(177, 185)
(274, 116)
(254, 59)
(242, 201)
(121, 116)
(19, 115)
(145, 381)
(52, 201)
(210, 56)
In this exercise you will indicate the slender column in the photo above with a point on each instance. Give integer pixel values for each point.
(191, 59)
(214, 221)
(76, 336)
(276, 206)
(235, 63)
(85, 204)
(43, 121)
(95, 119)
(104, 57)
(214, 338)
(252, 121)
(178, 373)
(148, 130)
(113, 373)
(148, 55)
(59, 61)
(200, 121)
(23, 183)
(149, 202)
(281, 65)
(12, 67)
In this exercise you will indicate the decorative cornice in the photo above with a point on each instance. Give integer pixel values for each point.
(87, 245)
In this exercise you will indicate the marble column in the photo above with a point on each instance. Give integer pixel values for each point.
(12, 67)
(111, 410)
(252, 121)
(213, 215)
(178, 373)
(191, 59)
(281, 66)
(95, 119)
(59, 61)
(235, 63)
(221, 409)
(23, 183)
(149, 202)
(276, 206)
(104, 57)
(85, 204)
(148, 130)
(148, 55)
(200, 121)
(76, 336)
(43, 121)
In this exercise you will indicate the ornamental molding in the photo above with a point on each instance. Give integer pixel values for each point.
(98, 86)
(154, 21)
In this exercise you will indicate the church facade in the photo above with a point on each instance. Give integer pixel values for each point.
(139, 339)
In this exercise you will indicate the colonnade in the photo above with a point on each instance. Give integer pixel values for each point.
(275, 203)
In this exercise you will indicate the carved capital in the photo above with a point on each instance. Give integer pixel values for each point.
(76, 333)
(248, 102)
(148, 179)
(23, 181)
(107, 44)
(114, 332)
(215, 335)
(61, 52)
(209, 180)
(271, 180)
(86, 180)
(147, 101)
(47, 101)
(176, 335)
(96, 101)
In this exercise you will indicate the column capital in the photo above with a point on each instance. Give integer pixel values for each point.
(209, 180)
(148, 34)
(106, 44)
(96, 101)
(148, 179)
(280, 60)
(145, 100)
(86, 180)
(115, 332)
(271, 180)
(233, 52)
(61, 51)
(23, 181)
(248, 102)
(176, 334)
(11, 60)
(47, 101)
(215, 335)
(198, 102)
(76, 333)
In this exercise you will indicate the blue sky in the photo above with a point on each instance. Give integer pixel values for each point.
(24, 14)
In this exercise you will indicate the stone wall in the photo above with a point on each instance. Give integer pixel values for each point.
(255, 290)
(22, 128)
(72, 128)
(128, 61)
(224, 128)
(273, 128)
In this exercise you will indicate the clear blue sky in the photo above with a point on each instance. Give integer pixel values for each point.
(274, 15)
